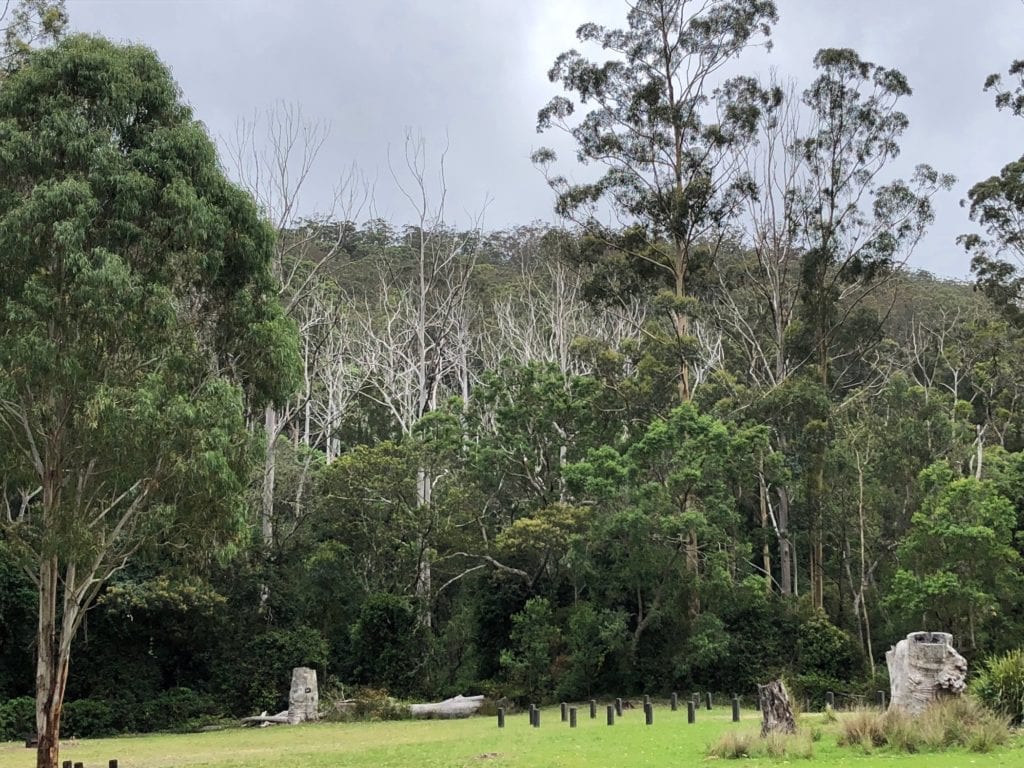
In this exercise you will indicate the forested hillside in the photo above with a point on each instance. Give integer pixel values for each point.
(706, 430)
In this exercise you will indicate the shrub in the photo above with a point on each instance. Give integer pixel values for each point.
(389, 645)
(89, 718)
(999, 684)
(17, 718)
(375, 704)
(528, 659)
(261, 678)
(178, 709)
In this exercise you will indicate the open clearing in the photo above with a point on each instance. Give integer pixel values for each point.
(478, 742)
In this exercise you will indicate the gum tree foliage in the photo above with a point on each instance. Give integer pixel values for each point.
(997, 204)
(137, 317)
(856, 229)
(666, 135)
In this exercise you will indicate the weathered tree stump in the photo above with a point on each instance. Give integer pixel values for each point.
(923, 667)
(303, 702)
(776, 711)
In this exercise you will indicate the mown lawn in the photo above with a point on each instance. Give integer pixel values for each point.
(478, 742)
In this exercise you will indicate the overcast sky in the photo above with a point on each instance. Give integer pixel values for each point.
(474, 71)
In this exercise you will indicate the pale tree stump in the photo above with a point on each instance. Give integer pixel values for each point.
(303, 697)
(923, 667)
(303, 702)
(776, 711)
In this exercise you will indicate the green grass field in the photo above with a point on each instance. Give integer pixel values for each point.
(478, 742)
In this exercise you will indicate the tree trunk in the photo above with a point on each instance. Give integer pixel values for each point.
(53, 653)
(785, 548)
(776, 712)
(766, 554)
(269, 470)
(423, 572)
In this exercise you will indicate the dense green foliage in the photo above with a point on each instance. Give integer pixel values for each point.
(728, 441)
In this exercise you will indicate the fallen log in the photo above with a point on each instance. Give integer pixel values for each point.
(281, 718)
(459, 706)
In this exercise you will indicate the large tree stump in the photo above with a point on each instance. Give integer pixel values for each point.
(923, 667)
(776, 711)
(303, 701)
(304, 696)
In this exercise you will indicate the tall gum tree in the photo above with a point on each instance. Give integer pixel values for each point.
(138, 316)
(666, 125)
(997, 204)
(668, 135)
(857, 230)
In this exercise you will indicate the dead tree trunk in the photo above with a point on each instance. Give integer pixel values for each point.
(776, 712)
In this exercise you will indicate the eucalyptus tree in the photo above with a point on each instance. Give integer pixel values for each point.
(856, 228)
(138, 316)
(666, 135)
(26, 24)
(997, 204)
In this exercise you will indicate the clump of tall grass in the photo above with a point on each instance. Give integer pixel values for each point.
(864, 728)
(733, 745)
(948, 722)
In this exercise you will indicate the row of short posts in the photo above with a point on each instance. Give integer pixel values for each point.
(830, 700)
(569, 714)
(69, 764)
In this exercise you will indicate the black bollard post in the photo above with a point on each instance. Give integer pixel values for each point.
(536, 718)
(618, 707)
(675, 701)
(572, 717)
(112, 764)
(501, 721)
(707, 697)
(735, 709)
(66, 764)
(881, 699)
(691, 712)
(649, 713)
(533, 712)
(593, 709)
(830, 699)
(611, 714)
(565, 712)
